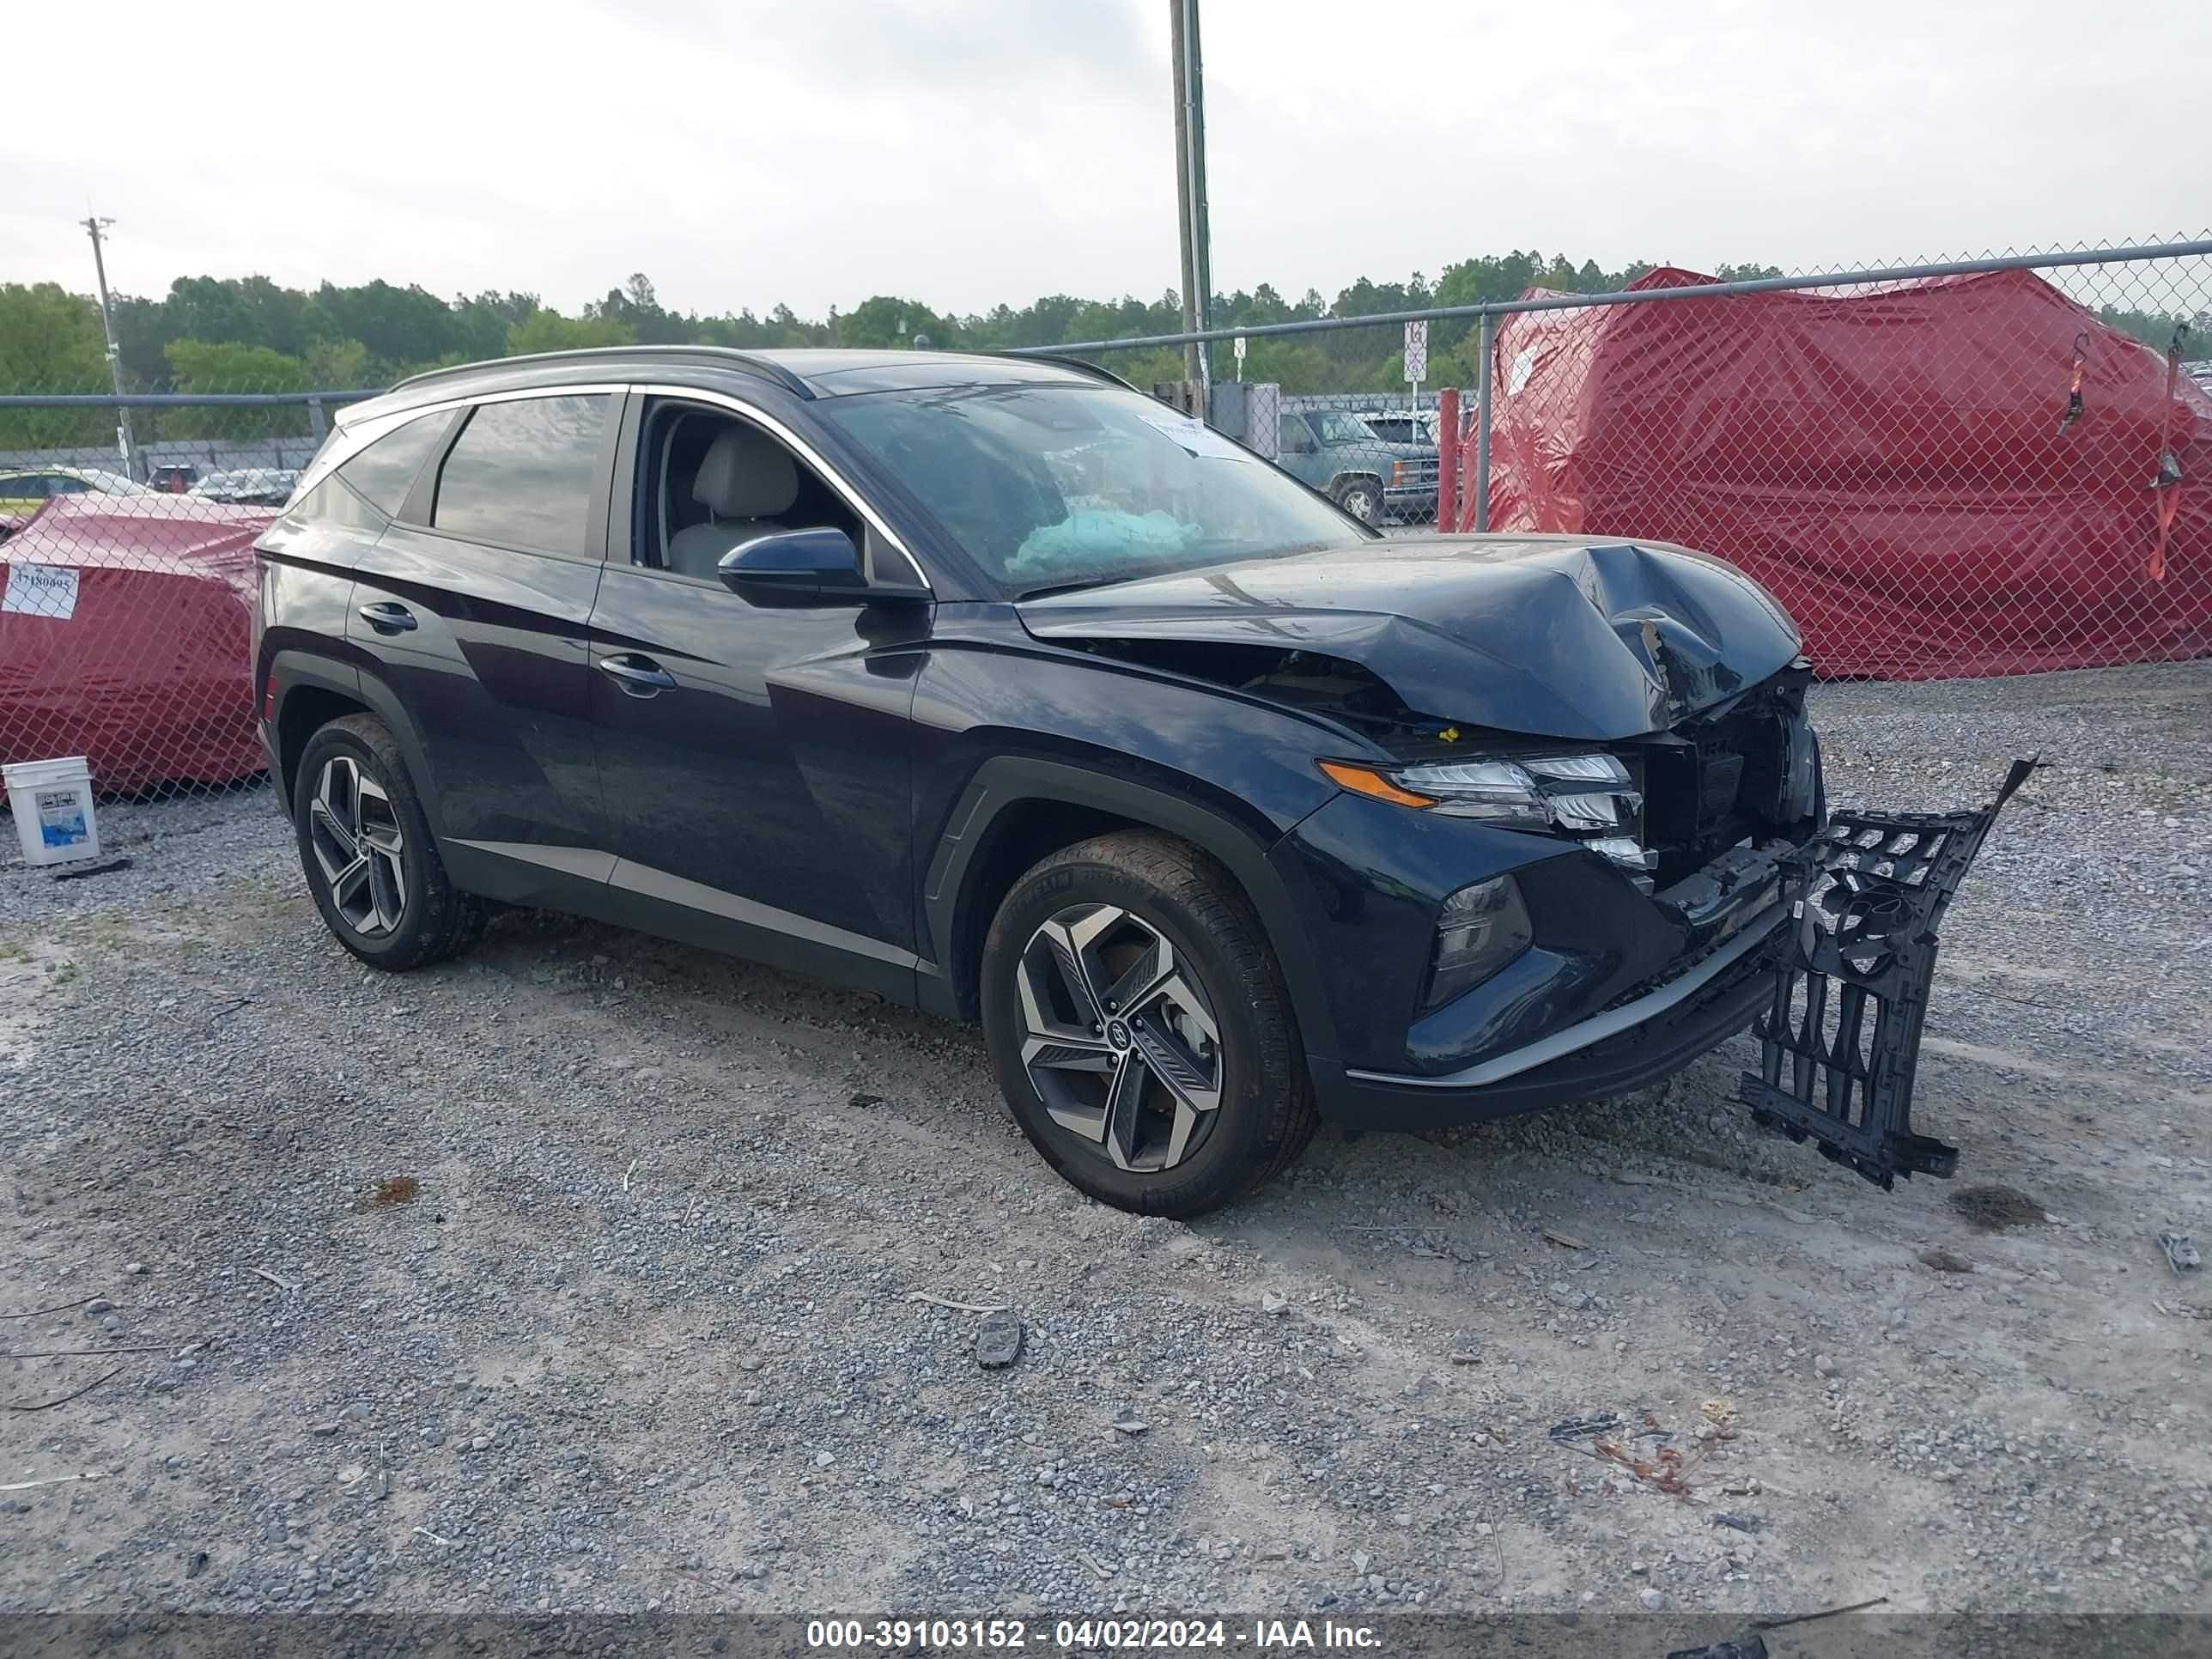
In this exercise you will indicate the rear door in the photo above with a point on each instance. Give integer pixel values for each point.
(473, 607)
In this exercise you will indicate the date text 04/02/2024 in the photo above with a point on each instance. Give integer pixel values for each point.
(1093, 1635)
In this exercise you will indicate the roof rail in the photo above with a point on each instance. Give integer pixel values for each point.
(1078, 364)
(726, 356)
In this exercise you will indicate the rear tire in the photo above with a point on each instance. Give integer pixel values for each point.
(1140, 1028)
(368, 853)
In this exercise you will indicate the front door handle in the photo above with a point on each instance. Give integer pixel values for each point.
(639, 676)
(387, 617)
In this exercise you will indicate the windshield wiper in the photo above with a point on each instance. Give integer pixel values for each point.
(1051, 588)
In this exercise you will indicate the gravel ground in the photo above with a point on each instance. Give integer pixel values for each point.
(646, 1334)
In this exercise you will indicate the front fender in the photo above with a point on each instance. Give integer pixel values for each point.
(1224, 773)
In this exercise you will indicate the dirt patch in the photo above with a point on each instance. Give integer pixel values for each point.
(1995, 1208)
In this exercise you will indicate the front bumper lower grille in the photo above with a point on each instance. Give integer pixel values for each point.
(1839, 1041)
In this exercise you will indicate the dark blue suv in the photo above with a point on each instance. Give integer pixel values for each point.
(997, 688)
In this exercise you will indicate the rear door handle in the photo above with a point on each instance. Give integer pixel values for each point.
(639, 676)
(387, 617)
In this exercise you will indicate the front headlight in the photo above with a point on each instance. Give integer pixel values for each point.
(1582, 794)
(1478, 930)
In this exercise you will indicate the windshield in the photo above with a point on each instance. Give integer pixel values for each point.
(1055, 486)
(113, 483)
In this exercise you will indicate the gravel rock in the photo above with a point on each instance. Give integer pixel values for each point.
(999, 1341)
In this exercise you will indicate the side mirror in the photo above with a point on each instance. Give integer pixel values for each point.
(821, 561)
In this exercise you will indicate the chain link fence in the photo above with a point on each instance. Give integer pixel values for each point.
(1953, 468)
(127, 578)
(1989, 465)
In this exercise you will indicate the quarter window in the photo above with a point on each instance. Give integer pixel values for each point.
(383, 473)
(521, 473)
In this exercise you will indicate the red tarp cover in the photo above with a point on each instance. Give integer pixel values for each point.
(1888, 462)
(124, 631)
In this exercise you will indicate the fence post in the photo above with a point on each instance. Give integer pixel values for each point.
(1447, 460)
(315, 421)
(1488, 344)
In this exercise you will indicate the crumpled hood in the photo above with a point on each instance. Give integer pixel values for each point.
(1553, 636)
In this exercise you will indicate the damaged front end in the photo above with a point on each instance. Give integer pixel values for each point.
(1582, 835)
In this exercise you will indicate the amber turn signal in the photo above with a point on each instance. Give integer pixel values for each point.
(1366, 781)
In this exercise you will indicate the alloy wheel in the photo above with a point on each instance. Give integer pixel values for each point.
(358, 844)
(1118, 1039)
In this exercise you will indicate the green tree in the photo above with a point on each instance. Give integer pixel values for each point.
(549, 330)
(220, 366)
(886, 321)
(50, 341)
(336, 366)
(482, 321)
(637, 307)
(398, 325)
(210, 309)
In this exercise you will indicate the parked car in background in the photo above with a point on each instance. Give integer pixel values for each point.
(24, 490)
(1370, 477)
(174, 479)
(998, 688)
(258, 486)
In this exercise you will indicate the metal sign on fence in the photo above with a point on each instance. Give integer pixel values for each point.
(1417, 353)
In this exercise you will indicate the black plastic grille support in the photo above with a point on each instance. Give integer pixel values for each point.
(1840, 1041)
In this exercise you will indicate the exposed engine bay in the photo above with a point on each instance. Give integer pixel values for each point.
(1745, 771)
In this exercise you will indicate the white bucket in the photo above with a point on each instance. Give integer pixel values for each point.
(52, 800)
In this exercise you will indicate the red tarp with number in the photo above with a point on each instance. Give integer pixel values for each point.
(1888, 461)
(125, 625)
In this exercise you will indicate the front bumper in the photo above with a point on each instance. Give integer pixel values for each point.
(1635, 1043)
(1617, 986)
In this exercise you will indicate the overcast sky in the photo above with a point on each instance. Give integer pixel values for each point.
(963, 152)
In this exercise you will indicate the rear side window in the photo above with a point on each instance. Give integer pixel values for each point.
(385, 471)
(521, 474)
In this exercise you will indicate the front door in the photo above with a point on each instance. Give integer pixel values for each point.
(754, 756)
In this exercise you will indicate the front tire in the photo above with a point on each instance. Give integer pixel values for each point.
(1140, 1028)
(1362, 498)
(368, 854)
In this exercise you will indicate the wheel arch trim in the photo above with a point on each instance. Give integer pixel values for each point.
(293, 670)
(1010, 780)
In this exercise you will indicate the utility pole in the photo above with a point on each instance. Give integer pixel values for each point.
(1190, 186)
(93, 226)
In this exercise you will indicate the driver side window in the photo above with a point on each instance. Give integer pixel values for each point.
(708, 482)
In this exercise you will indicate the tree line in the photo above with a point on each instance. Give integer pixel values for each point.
(215, 334)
